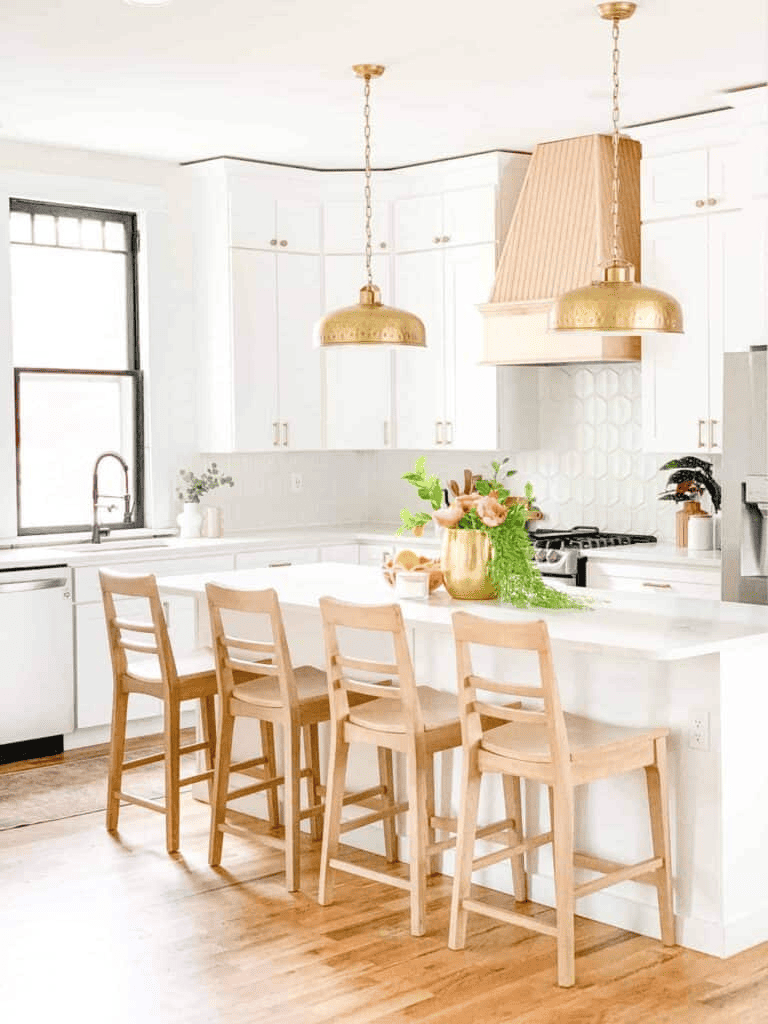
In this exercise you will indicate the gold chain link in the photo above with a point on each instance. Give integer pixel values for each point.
(615, 115)
(368, 206)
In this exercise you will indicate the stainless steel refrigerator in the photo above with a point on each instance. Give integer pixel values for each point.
(745, 477)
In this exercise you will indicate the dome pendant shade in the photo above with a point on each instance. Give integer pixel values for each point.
(615, 303)
(370, 323)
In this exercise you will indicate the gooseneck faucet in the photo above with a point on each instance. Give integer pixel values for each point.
(126, 496)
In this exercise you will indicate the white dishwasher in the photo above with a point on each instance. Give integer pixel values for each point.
(37, 691)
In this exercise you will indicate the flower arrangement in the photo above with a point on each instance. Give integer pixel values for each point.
(691, 478)
(191, 488)
(486, 504)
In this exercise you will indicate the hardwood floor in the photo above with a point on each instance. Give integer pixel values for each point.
(96, 928)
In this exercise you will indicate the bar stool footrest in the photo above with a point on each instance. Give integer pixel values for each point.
(369, 873)
(509, 917)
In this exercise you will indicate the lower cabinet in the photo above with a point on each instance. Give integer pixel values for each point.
(348, 553)
(666, 580)
(275, 558)
(94, 667)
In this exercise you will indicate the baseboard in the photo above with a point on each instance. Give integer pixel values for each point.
(31, 750)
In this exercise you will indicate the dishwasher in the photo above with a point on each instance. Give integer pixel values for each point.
(37, 692)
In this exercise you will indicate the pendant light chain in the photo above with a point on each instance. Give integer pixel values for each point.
(368, 206)
(615, 116)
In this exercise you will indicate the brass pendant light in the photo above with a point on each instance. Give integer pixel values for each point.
(614, 303)
(369, 322)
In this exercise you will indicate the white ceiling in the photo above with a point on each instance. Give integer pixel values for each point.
(270, 79)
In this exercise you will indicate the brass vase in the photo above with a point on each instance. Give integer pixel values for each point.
(464, 560)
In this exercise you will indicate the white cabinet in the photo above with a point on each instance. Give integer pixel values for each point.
(374, 554)
(699, 260)
(276, 374)
(691, 182)
(358, 379)
(344, 226)
(257, 220)
(275, 558)
(347, 553)
(94, 667)
(455, 217)
(670, 581)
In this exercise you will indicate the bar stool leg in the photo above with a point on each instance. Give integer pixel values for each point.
(312, 761)
(268, 751)
(433, 866)
(514, 809)
(387, 779)
(172, 730)
(220, 785)
(292, 759)
(416, 769)
(208, 727)
(116, 757)
(658, 803)
(465, 850)
(564, 885)
(334, 796)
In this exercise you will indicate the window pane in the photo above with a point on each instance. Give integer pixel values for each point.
(114, 236)
(21, 227)
(69, 231)
(44, 229)
(65, 422)
(69, 308)
(93, 233)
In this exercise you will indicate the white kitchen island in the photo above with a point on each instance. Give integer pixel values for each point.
(697, 666)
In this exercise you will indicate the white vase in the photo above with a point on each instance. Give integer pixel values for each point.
(190, 520)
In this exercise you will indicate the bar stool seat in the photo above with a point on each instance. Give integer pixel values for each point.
(438, 710)
(190, 667)
(586, 739)
(311, 685)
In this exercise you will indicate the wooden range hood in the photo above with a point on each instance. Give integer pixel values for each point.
(561, 231)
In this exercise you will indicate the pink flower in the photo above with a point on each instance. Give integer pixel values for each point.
(491, 511)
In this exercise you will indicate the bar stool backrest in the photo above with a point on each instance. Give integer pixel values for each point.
(368, 678)
(235, 653)
(147, 637)
(519, 636)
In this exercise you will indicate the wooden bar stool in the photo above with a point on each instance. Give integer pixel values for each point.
(143, 662)
(417, 721)
(562, 751)
(257, 680)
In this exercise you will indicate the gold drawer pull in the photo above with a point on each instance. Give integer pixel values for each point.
(659, 586)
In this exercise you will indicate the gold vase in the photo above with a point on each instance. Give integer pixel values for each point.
(464, 560)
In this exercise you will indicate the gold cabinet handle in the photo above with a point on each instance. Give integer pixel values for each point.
(273, 241)
(699, 203)
(445, 238)
(283, 242)
(438, 438)
(386, 433)
(713, 443)
(449, 426)
(276, 434)
(382, 245)
(285, 435)
(659, 586)
(702, 442)
(711, 202)
(436, 239)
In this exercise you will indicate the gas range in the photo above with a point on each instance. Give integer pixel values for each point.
(563, 553)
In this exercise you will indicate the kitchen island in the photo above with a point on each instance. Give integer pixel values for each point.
(695, 666)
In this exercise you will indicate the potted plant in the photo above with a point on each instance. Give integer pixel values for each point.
(190, 489)
(690, 479)
(486, 550)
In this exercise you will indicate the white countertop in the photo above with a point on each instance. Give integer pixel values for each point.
(657, 554)
(654, 627)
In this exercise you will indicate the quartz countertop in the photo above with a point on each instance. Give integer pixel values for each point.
(657, 554)
(653, 627)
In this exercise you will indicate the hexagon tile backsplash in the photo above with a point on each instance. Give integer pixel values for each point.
(589, 470)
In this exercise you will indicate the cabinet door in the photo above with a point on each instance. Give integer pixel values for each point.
(735, 292)
(298, 225)
(299, 306)
(675, 367)
(418, 223)
(358, 379)
(674, 185)
(469, 216)
(252, 223)
(276, 558)
(344, 227)
(420, 372)
(254, 329)
(471, 388)
(727, 177)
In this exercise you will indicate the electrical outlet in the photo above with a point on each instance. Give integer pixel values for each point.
(698, 730)
(297, 483)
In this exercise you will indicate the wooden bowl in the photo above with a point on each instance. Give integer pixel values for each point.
(432, 567)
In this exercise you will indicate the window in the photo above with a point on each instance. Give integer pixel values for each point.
(76, 362)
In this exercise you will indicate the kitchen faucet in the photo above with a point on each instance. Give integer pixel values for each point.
(96, 533)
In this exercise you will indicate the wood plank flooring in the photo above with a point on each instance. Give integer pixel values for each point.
(97, 928)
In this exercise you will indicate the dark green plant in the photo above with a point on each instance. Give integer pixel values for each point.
(488, 506)
(192, 488)
(691, 478)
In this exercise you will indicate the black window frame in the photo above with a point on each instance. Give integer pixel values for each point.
(133, 359)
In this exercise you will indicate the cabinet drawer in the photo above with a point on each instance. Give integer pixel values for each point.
(668, 580)
(374, 554)
(276, 557)
(348, 553)
(87, 579)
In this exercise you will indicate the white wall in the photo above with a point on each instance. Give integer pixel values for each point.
(155, 190)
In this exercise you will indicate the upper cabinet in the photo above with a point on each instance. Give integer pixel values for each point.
(692, 182)
(344, 226)
(455, 217)
(258, 220)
